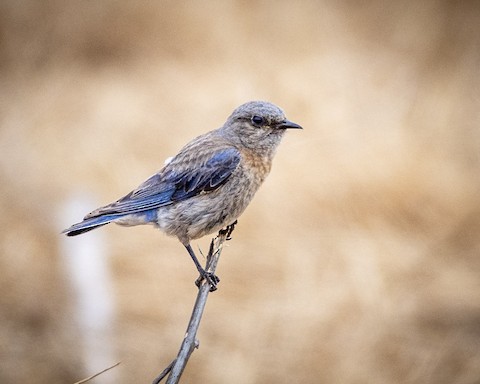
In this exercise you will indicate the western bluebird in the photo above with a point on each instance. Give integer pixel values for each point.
(207, 185)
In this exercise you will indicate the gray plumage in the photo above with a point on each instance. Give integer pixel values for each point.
(208, 184)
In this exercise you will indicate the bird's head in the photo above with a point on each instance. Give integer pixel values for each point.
(258, 125)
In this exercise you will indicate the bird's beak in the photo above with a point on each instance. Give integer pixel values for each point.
(287, 124)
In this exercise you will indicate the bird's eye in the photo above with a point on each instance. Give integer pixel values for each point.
(257, 120)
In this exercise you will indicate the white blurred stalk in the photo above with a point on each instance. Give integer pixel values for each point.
(86, 267)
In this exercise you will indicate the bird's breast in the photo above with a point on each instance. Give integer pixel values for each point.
(256, 167)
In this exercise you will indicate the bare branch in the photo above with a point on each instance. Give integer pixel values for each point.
(190, 342)
(97, 374)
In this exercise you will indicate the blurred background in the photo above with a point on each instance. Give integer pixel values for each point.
(358, 260)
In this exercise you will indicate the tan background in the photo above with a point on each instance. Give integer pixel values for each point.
(357, 262)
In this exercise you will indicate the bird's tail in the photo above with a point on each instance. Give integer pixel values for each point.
(89, 224)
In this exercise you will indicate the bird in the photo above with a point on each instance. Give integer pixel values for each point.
(207, 185)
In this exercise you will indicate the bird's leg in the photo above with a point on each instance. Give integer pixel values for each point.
(210, 277)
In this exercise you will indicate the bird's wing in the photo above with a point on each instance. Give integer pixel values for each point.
(175, 183)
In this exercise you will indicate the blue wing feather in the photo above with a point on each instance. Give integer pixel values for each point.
(208, 177)
(170, 186)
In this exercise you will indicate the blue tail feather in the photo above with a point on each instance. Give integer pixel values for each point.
(89, 224)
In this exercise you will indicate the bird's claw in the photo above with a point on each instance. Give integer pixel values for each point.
(227, 231)
(211, 278)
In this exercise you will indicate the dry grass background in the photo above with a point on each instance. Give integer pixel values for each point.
(357, 262)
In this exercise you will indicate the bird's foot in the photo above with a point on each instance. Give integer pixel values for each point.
(228, 230)
(210, 277)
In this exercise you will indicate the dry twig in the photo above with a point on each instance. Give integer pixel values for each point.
(97, 374)
(177, 366)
